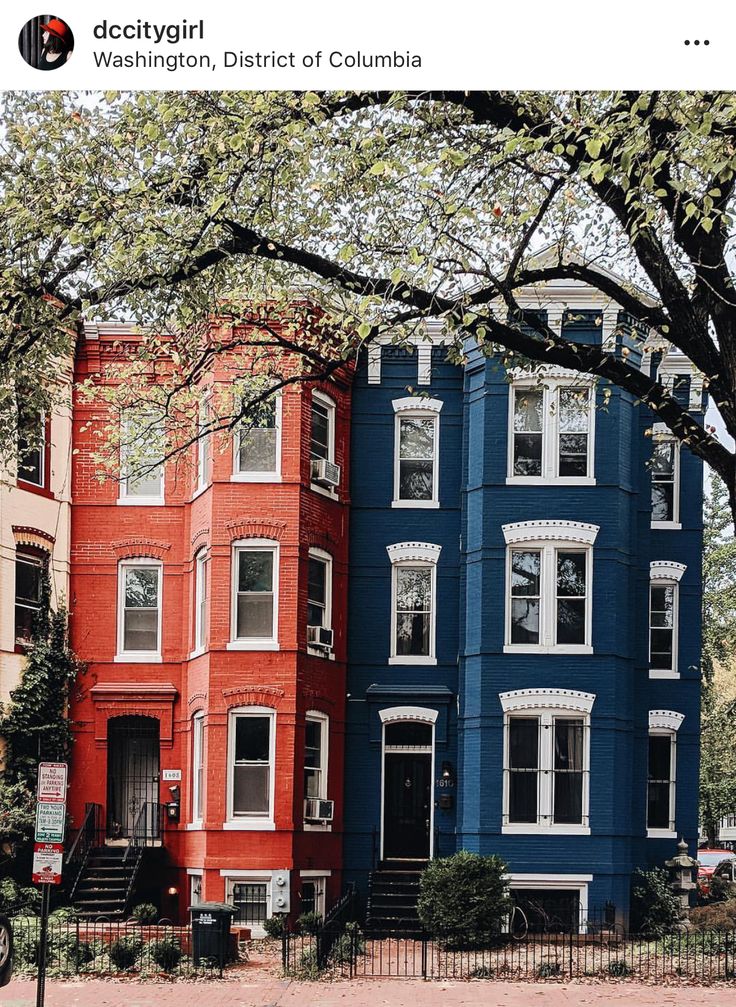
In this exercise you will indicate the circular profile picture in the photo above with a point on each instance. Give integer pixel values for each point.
(46, 42)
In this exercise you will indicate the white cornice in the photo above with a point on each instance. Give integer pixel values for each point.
(545, 699)
(662, 569)
(550, 531)
(417, 404)
(667, 720)
(413, 552)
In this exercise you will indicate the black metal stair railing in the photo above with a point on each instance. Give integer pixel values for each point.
(89, 835)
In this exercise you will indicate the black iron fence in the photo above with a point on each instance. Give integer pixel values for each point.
(101, 947)
(694, 956)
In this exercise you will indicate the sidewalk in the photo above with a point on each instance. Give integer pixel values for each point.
(361, 993)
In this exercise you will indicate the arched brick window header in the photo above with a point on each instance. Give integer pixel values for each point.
(25, 535)
(140, 548)
(246, 527)
(253, 695)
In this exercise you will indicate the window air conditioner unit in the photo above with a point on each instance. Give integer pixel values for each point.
(317, 810)
(325, 473)
(318, 636)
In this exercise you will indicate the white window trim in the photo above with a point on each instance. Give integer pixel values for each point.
(547, 704)
(414, 407)
(399, 714)
(331, 406)
(195, 873)
(266, 476)
(320, 904)
(326, 558)
(197, 756)
(201, 562)
(550, 384)
(666, 722)
(414, 554)
(125, 500)
(41, 459)
(140, 656)
(661, 432)
(324, 721)
(250, 823)
(549, 537)
(204, 454)
(667, 574)
(253, 643)
(232, 877)
(556, 882)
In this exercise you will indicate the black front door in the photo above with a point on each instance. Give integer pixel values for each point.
(406, 807)
(133, 778)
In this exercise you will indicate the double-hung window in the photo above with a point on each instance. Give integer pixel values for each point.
(416, 452)
(251, 772)
(664, 618)
(662, 772)
(200, 600)
(325, 474)
(319, 602)
(548, 595)
(546, 760)
(30, 567)
(551, 431)
(139, 610)
(32, 447)
(257, 447)
(255, 595)
(665, 474)
(414, 589)
(204, 454)
(141, 449)
(197, 767)
(315, 757)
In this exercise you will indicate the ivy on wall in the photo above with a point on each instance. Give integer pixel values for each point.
(34, 728)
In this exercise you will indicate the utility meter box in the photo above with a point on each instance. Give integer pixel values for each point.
(281, 892)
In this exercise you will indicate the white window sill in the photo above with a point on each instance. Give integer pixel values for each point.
(416, 504)
(200, 490)
(194, 827)
(662, 834)
(529, 829)
(324, 491)
(318, 652)
(550, 481)
(413, 660)
(317, 827)
(252, 825)
(253, 645)
(196, 653)
(662, 673)
(535, 648)
(667, 525)
(141, 502)
(137, 659)
(255, 477)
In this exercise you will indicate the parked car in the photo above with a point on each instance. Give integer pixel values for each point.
(708, 861)
(6, 951)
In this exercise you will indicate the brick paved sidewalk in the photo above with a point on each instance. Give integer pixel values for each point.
(360, 993)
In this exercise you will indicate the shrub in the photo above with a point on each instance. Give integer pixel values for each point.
(166, 953)
(26, 938)
(349, 944)
(716, 914)
(463, 899)
(655, 909)
(706, 942)
(307, 965)
(124, 952)
(146, 912)
(619, 969)
(64, 913)
(275, 926)
(549, 970)
(15, 900)
(309, 923)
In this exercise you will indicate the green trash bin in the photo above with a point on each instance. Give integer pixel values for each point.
(211, 932)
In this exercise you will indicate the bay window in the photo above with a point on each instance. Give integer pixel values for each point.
(139, 609)
(197, 767)
(251, 746)
(141, 464)
(257, 445)
(665, 475)
(255, 595)
(664, 618)
(662, 773)
(315, 755)
(551, 430)
(200, 600)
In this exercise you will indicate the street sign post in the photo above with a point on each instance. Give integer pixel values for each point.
(48, 850)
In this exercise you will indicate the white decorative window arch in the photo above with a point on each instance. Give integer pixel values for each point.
(549, 573)
(546, 761)
(416, 452)
(664, 617)
(662, 773)
(396, 713)
(413, 602)
(551, 428)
